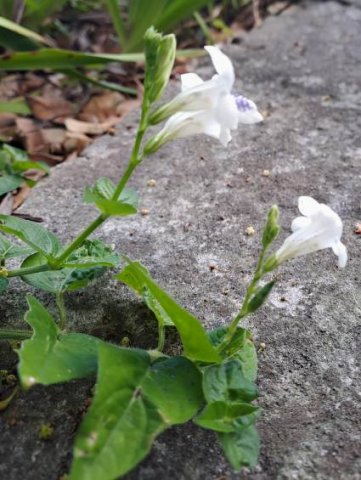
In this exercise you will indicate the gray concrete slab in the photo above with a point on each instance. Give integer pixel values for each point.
(303, 69)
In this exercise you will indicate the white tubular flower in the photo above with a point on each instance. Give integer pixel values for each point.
(209, 104)
(319, 228)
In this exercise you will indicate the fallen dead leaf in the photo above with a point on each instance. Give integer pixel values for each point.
(21, 196)
(51, 108)
(54, 139)
(101, 107)
(31, 135)
(75, 142)
(46, 157)
(91, 128)
(7, 127)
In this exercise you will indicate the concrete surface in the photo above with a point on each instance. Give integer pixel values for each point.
(303, 70)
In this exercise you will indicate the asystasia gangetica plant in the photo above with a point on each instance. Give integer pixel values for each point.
(140, 393)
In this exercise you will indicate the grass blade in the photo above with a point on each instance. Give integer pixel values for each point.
(53, 58)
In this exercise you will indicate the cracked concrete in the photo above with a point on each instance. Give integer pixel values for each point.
(303, 69)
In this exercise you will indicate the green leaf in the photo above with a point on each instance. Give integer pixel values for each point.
(18, 29)
(195, 341)
(216, 336)
(102, 195)
(32, 234)
(260, 297)
(118, 24)
(133, 403)
(174, 386)
(52, 58)
(241, 348)
(23, 166)
(15, 154)
(227, 383)
(10, 250)
(248, 357)
(4, 283)
(86, 264)
(104, 187)
(227, 417)
(49, 357)
(16, 105)
(242, 447)
(177, 11)
(8, 183)
(160, 313)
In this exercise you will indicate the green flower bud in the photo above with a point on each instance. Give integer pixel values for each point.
(260, 297)
(159, 58)
(271, 229)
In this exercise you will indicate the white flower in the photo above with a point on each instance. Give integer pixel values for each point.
(207, 106)
(319, 228)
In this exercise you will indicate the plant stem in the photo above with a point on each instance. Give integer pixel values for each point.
(63, 321)
(161, 336)
(28, 270)
(244, 309)
(79, 240)
(14, 334)
(135, 159)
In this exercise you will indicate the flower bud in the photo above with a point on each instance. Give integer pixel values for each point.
(271, 229)
(159, 59)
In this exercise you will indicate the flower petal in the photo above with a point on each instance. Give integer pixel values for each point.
(222, 64)
(300, 222)
(225, 136)
(190, 80)
(340, 250)
(308, 206)
(226, 112)
(247, 110)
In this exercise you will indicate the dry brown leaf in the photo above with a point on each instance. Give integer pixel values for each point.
(46, 157)
(31, 135)
(9, 86)
(91, 128)
(21, 196)
(50, 108)
(75, 142)
(7, 127)
(101, 107)
(54, 139)
(24, 190)
(30, 82)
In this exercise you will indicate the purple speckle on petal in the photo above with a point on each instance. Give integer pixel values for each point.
(243, 104)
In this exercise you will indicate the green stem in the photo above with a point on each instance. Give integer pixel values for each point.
(14, 334)
(244, 309)
(79, 240)
(28, 270)
(161, 336)
(135, 160)
(63, 321)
